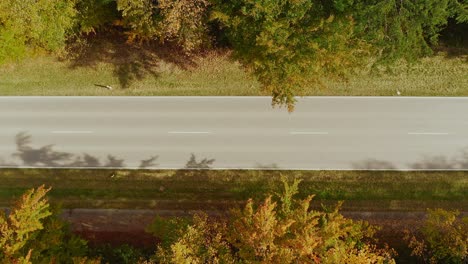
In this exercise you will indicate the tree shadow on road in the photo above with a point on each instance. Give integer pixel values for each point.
(428, 162)
(195, 169)
(205, 163)
(46, 156)
(271, 166)
(373, 164)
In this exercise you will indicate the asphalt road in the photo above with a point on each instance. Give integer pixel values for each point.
(399, 133)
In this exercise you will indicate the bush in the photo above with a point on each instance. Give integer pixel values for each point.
(442, 239)
(287, 231)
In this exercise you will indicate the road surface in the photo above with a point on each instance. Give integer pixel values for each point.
(324, 133)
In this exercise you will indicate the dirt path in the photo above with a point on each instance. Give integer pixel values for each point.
(118, 226)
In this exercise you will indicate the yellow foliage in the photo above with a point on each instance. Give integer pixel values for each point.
(24, 219)
(277, 233)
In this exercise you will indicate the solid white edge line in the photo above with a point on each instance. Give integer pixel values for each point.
(232, 97)
(71, 132)
(222, 168)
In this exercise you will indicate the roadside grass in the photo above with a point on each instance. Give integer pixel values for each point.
(440, 75)
(214, 75)
(136, 71)
(218, 190)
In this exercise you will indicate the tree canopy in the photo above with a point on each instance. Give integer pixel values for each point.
(33, 233)
(286, 44)
(284, 231)
(279, 229)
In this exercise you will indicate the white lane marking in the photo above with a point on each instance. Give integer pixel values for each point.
(307, 133)
(71, 132)
(427, 133)
(189, 132)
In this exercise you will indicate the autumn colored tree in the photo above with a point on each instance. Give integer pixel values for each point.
(443, 238)
(22, 222)
(33, 233)
(287, 231)
(182, 22)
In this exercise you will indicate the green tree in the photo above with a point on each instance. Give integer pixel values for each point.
(291, 44)
(31, 25)
(55, 243)
(400, 28)
(288, 44)
(443, 238)
(96, 14)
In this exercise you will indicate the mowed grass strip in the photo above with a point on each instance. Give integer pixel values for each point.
(218, 190)
(211, 75)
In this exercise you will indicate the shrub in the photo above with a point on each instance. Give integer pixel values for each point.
(287, 231)
(443, 238)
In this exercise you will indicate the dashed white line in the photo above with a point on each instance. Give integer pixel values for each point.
(427, 133)
(307, 133)
(71, 132)
(189, 132)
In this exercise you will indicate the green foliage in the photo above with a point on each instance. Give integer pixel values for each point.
(269, 233)
(33, 233)
(11, 45)
(288, 44)
(95, 14)
(32, 25)
(123, 254)
(55, 242)
(139, 17)
(400, 28)
(443, 238)
(289, 191)
(459, 10)
(167, 230)
(291, 46)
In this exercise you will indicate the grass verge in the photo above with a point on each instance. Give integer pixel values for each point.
(160, 71)
(217, 190)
